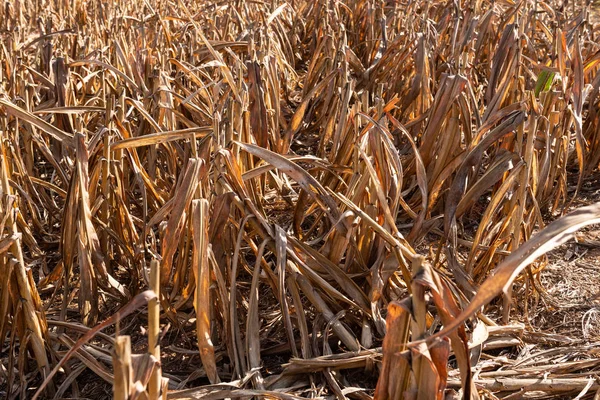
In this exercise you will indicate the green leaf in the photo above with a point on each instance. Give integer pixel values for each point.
(544, 82)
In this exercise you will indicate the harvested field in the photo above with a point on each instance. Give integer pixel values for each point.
(360, 199)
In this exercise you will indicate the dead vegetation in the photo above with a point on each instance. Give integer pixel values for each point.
(268, 169)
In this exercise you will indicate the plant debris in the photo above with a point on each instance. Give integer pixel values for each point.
(299, 199)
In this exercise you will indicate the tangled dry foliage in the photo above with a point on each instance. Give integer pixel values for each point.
(268, 169)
